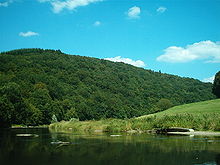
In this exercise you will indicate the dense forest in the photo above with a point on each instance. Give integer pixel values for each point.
(36, 84)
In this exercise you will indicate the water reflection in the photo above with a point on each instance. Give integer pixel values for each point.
(217, 159)
(57, 148)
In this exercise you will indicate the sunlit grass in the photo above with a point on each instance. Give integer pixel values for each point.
(199, 108)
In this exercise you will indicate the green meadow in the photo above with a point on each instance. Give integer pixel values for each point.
(199, 108)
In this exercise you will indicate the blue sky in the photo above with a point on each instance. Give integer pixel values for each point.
(180, 37)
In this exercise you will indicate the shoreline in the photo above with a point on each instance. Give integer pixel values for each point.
(20, 126)
(152, 131)
(125, 126)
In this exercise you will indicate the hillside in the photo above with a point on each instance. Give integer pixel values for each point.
(199, 108)
(36, 84)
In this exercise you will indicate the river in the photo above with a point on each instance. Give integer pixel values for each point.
(124, 149)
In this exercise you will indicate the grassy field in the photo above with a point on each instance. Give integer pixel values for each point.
(201, 116)
(199, 108)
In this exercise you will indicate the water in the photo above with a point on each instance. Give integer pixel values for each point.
(62, 148)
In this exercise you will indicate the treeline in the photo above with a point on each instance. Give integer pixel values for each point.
(216, 85)
(36, 84)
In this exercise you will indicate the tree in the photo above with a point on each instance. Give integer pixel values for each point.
(164, 104)
(6, 112)
(71, 114)
(12, 92)
(216, 85)
(35, 116)
(41, 99)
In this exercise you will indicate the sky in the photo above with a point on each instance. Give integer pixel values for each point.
(179, 37)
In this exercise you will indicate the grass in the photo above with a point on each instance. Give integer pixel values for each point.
(200, 116)
(199, 108)
(105, 125)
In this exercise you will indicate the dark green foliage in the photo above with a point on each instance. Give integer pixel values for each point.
(38, 84)
(12, 99)
(216, 85)
(70, 114)
(6, 109)
(35, 117)
(164, 104)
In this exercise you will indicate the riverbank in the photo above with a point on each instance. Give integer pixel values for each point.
(201, 116)
(198, 122)
(25, 126)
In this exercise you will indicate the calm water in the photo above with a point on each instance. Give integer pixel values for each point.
(105, 149)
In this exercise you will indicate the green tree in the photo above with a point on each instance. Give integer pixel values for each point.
(35, 116)
(70, 114)
(41, 99)
(6, 110)
(164, 104)
(12, 91)
(216, 85)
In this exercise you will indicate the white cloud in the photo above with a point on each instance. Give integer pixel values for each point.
(161, 9)
(3, 4)
(41, 1)
(97, 23)
(58, 5)
(134, 12)
(210, 79)
(6, 3)
(204, 50)
(28, 34)
(137, 63)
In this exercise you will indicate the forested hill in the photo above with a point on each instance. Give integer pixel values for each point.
(36, 84)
